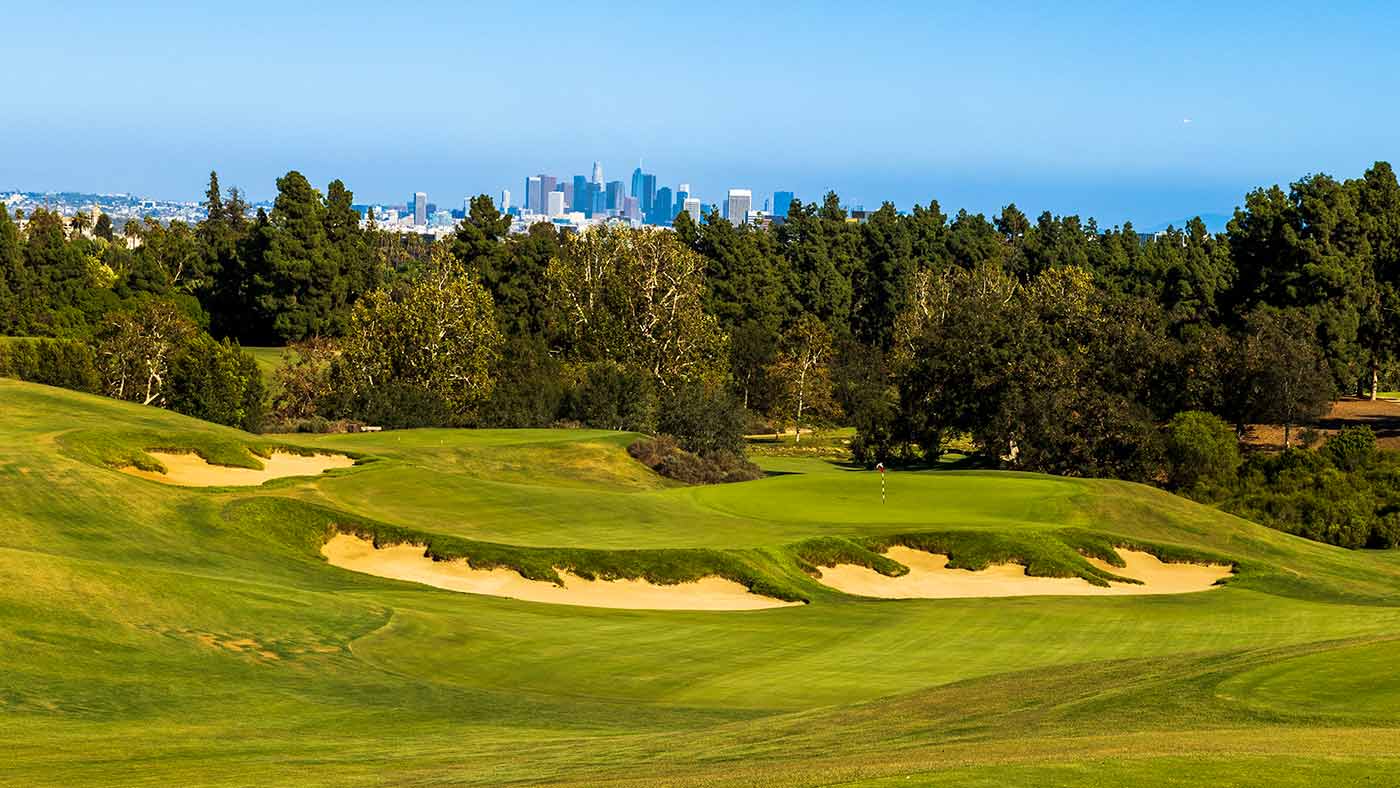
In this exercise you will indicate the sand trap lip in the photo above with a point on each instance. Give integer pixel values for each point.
(929, 578)
(407, 562)
(191, 470)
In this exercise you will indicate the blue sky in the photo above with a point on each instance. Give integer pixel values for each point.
(1142, 111)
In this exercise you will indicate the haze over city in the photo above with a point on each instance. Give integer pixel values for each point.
(1126, 111)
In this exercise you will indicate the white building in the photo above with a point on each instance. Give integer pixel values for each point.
(556, 204)
(738, 205)
(692, 207)
(505, 201)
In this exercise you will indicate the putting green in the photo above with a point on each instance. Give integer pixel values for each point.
(156, 634)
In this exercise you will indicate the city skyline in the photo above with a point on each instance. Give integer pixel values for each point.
(1120, 112)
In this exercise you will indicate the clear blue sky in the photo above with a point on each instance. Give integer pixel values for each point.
(1143, 111)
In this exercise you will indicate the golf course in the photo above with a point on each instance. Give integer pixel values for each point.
(169, 632)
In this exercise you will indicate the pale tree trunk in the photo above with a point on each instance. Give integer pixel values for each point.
(1375, 380)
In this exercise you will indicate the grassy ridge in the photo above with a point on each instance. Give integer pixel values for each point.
(164, 636)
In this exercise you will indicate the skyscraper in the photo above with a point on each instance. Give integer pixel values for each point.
(548, 183)
(420, 208)
(661, 210)
(615, 196)
(631, 208)
(555, 205)
(505, 200)
(567, 187)
(781, 202)
(532, 193)
(581, 200)
(692, 207)
(636, 183)
(682, 194)
(597, 173)
(739, 204)
(648, 195)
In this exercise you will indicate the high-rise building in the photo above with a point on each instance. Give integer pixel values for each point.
(555, 205)
(548, 183)
(420, 208)
(580, 200)
(682, 194)
(661, 210)
(648, 195)
(533, 194)
(567, 187)
(505, 200)
(692, 207)
(597, 173)
(781, 202)
(631, 208)
(738, 205)
(615, 196)
(636, 190)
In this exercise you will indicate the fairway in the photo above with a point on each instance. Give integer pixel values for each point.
(156, 634)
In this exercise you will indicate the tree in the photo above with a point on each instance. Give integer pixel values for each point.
(635, 296)
(613, 396)
(14, 284)
(303, 379)
(1202, 450)
(80, 224)
(216, 381)
(438, 334)
(1282, 374)
(802, 367)
(103, 227)
(134, 349)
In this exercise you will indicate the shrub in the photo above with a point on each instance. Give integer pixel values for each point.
(703, 419)
(529, 388)
(217, 381)
(65, 363)
(613, 396)
(396, 405)
(1202, 450)
(665, 456)
(1353, 448)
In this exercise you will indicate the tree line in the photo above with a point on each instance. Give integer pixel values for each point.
(1047, 344)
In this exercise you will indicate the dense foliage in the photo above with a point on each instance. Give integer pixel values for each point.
(1048, 343)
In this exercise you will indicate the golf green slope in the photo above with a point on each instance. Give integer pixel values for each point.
(160, 635)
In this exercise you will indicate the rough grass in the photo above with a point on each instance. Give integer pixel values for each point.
(156, 635)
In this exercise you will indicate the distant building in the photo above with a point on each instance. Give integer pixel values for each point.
(648, 195)
(636, 183)
(548, 183)
(692, 207)
(781, 202)
(662, 210)
(632, 208)
(505, 200)
(738, 205)
(533, 194)
(420, 209)
(555, 206)
(597, 174)
(615, 196)
(579, 199)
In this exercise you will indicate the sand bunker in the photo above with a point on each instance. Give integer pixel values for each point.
(190, 470)
(929, 578)
(407, 562)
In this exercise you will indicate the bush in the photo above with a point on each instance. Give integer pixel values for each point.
(65, 363)
(612, 396)
(1202, 450)
(529, 388)
(703, 419)
(665, 456)
(216, 381)
(396, 405)
(1353, 448)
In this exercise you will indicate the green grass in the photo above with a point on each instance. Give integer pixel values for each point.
(154, 635)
